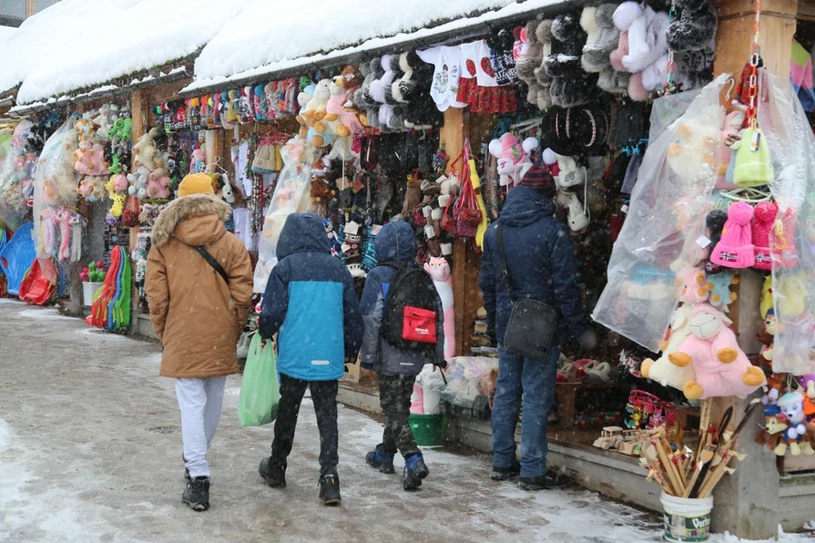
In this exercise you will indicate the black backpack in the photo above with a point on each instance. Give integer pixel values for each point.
(411, 310)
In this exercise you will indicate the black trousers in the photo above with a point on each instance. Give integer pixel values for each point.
(324, 396)
(394, 397)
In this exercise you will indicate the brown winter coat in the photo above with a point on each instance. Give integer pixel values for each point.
(197, 317)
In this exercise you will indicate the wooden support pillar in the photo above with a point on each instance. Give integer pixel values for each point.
(466, 263)
(747, 504)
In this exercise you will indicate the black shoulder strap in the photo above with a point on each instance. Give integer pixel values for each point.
(214, 263)
(393, 264)
(502, 254)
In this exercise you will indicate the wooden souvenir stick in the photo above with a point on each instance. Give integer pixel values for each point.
(701, 465)
(696, 470)
(650, 456)
(717, 476)
(669, 469)
(704, 423)
(713, 475)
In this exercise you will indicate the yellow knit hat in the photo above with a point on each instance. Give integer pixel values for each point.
(195, 183)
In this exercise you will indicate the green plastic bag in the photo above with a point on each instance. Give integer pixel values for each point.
(260, 389)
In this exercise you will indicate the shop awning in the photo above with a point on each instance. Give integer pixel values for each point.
(266, 41)
(77, 46)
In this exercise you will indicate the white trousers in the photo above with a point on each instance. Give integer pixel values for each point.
(200, 402)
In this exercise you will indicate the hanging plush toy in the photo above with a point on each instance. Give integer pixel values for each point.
(722, 368)
(512, 154)
(662, 370)
(439, 270)
(719, 287)
(792, 406)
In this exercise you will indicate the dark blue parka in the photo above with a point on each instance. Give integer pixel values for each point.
(310, 300)
(395, 242)
(540, 257)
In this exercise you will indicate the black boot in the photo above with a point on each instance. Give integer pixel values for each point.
(415, 471)
(503, 474)
(274, 473)
(330, 489)
(549, 481)
(196, 495)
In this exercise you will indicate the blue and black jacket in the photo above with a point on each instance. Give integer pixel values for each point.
(394, 243)
(310, 300)
(542, 262)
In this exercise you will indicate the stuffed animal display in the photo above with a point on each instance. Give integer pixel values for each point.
(722, 368)
(512, 154)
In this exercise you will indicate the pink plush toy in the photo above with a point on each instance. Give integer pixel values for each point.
(439, 270)
(722, 368)
(735, 248)
(693, 280)
(198, 162)
(783, 240)
(335, 111)
(511, 154)
(763, 221)
(90, 159)
(158, 185)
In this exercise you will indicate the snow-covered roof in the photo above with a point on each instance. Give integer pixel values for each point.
(117, 38)
(266, 38)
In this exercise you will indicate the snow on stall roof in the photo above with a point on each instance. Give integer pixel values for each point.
(267, 37)
(138, 35)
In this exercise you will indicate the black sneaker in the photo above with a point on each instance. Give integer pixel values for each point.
(196, 495)
(274, 473)
(330, 489)
(415, 471)
(504, 474)
(550, 481)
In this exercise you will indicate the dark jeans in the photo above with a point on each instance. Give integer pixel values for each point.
(324, 396)
(535, 380)
(394, 397)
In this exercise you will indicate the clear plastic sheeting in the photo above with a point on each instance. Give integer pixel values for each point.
(55, 194)
(792, 238)
(16, 178)
(291, 194)
(665, 219)
(468, 378)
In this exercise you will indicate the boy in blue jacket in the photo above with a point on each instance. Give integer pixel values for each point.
(310, 302)
(397, 367)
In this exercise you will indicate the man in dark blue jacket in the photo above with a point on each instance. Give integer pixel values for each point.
(397, 367)
(541, 260)
(310, 301)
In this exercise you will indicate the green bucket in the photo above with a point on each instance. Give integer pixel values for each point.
(428, 430)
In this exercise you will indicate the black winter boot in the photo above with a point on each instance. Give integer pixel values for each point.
(330, 489)
(415, 471)
(274, 473)
(196, 495)
(549, 481)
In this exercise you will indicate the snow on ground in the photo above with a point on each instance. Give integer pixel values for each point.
(166, 31)
(90, 446)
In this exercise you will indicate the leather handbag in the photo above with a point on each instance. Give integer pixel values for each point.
(532, 323)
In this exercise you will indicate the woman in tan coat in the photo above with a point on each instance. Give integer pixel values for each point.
(199, 303)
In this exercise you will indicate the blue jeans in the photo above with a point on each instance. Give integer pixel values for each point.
(535, 379)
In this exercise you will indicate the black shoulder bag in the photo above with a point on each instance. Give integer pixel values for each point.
(214, 263)
(532, 323)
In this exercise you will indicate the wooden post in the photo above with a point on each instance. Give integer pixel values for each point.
(466, 263)
(747, 503)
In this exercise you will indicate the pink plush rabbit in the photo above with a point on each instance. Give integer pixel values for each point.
(439, 270)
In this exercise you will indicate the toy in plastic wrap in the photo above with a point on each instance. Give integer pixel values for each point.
(666, 217)
(439, 270)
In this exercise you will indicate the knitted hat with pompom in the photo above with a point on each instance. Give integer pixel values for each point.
(735, 249)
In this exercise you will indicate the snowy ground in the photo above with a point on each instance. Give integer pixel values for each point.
(90, 452)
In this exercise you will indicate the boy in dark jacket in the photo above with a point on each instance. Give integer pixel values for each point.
(397, 367)
(542, 265)
(310, 301)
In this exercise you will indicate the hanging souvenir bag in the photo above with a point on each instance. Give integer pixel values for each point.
(130, 215)
(466, 211)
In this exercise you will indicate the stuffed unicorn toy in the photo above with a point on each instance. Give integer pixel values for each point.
(439, 270)
(512, 155)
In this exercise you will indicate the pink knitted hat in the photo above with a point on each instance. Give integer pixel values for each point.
(783, 240)
(735, 248)
(763, 220)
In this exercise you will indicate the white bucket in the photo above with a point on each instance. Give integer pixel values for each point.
(89, 291)
(686, 520)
